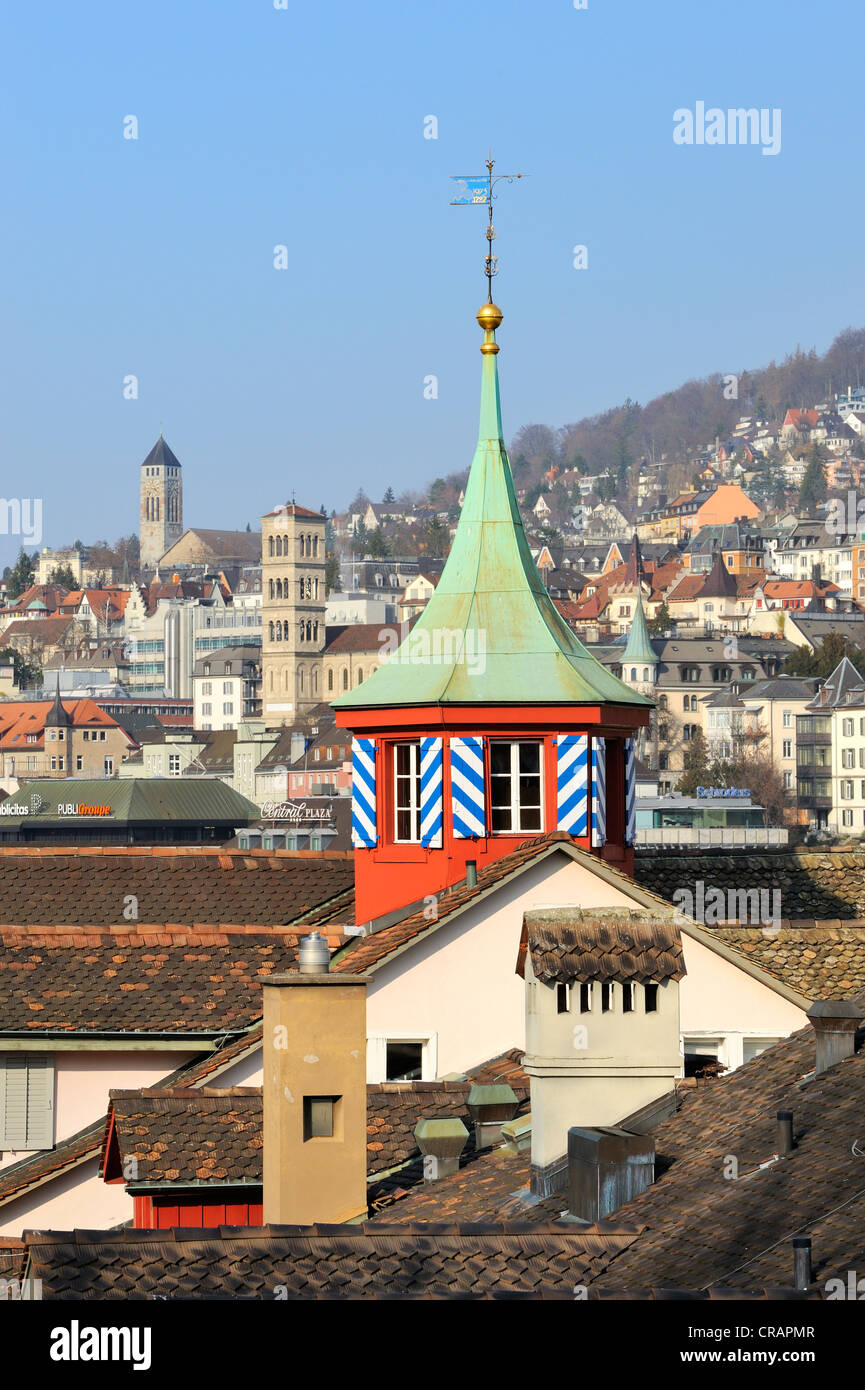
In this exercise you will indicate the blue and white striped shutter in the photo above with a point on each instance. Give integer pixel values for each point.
(599, 792)
(364, 826)
(467, 787)
(572, 783)
(431, 792)
(630, 793)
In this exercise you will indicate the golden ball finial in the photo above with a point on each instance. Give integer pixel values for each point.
(489, 316)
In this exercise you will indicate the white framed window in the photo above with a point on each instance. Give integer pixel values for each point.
(207, 708)
(406, 788)
(846, 817)
(228, 707)
(108, 766)
(846, 789)
(787, 719)
(401, 1057)
(515, 787)
(788, 780)
(26, 1101)
(847, 726)
(226, 687)
(848, 757)
(206, 687)
(787, 748)
(174, 764)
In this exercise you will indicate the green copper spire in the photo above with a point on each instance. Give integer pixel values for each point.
(490, 633)
(639, 651)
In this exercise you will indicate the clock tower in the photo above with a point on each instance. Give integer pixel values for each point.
(161, 504)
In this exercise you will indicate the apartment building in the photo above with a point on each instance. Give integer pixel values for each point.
(226, 687)
(830, 737)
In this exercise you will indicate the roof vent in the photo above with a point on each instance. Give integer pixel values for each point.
(491, 1107)
(834, 1022)
(441, 1142)
(606, 1168)
(313, 956)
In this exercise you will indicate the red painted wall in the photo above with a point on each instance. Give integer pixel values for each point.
(162, 1213)
(393, 875)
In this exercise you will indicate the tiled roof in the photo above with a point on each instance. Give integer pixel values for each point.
(138, 978)
(179, 1134)
(367, 1261)
(821, 960)
(183, 886)
(89, 1142)
(572, 943)
(363, 638)
(366, 952)
(184, 1135)
(703, 1227)
(44, 631)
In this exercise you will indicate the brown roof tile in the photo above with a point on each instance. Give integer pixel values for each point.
(95, 885)
(568, 943)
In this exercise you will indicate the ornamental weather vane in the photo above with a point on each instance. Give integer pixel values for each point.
(475, 189)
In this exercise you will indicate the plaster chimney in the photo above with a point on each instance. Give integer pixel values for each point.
(441, 1142)
(834, 1022)
(314, 1094)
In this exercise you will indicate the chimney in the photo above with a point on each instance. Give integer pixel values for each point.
(606, 1168)
(491, 1107)
(834, 1022)
(441, 1142)
(314, 1093)
(802, 1263)
(785, 1132)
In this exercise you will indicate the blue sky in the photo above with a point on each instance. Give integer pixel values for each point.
(305, 127)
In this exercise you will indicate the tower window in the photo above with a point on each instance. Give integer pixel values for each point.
(650, 993)
(515, 786)
(563, 998)
(586, 997)
(628, 989)
(407, 791)
(319, 1115)
(607, 996)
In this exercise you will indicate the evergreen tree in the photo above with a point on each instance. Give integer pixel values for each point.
(813, 489)
(63, 576)
(389, 497)
(21, 576)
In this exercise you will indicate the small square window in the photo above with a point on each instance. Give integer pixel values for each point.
(404, 1061)
(318, 1117)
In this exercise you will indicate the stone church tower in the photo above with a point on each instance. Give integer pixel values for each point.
(161, 504)
(292, 612)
